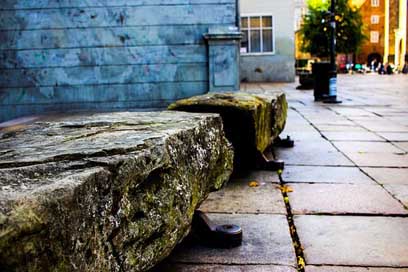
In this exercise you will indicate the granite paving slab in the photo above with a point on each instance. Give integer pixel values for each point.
(266, 241)
(352, 111)
(386, 111)
(293, 114)
(354, 240)
(320, 120)
(325, 174)
(297, 127)
(343, 199)
(322, 112)
(388, 175)
(257, 175)
(403, 145)
(402, 120)
(343, 128)
(239, 197)
(309, 136)
(311, 268)
(379, 160)
(399, 191)
(309, 145)
(383, 126)
(352, 136)
(292, 157)
(394, 136)
(367, 147)
(223, 268)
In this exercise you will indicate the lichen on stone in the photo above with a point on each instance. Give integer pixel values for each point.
(251, 121)
(106, 192)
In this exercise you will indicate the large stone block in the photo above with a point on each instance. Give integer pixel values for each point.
(251, 122)
(105, 192)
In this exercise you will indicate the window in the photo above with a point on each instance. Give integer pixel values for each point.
(375, 19)
(374, 37)
(258, 35)
(375, 3)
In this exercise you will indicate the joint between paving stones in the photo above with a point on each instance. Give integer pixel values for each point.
(358, 266)
(300, 257)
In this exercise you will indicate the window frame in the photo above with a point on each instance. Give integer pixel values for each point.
(375, 3)
(375, 19)
(261, 28)
(377, 34)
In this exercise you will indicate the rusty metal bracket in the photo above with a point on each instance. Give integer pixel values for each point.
(286, 143)
(273, 165)
(217, 236)
(269, 165)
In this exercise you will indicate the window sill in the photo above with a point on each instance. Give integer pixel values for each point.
(259, 54)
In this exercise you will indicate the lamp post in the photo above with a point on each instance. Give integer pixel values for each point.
(332, 97)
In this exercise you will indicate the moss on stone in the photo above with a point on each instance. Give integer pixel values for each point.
(279, 115)
(251, 122)
(118, 196)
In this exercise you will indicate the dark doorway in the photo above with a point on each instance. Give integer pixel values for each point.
(374, 57)
(373, 61)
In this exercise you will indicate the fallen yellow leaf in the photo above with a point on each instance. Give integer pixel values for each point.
(301, 262)
(286, 189)
(253, 184)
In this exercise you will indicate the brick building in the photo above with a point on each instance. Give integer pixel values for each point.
(385, 24)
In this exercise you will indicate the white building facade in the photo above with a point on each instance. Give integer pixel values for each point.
(268, 44)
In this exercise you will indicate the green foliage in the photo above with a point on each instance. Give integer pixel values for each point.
(315, 31)
(318, 5)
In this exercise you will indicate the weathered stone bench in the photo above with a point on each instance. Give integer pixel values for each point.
(105, 192)
(251, 121)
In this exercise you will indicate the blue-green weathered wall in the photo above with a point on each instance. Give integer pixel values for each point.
(68, 55)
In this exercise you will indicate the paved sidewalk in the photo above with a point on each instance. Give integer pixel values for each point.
(345, 188)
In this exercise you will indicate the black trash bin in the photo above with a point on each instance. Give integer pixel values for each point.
(321, 76)
(306, 80)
